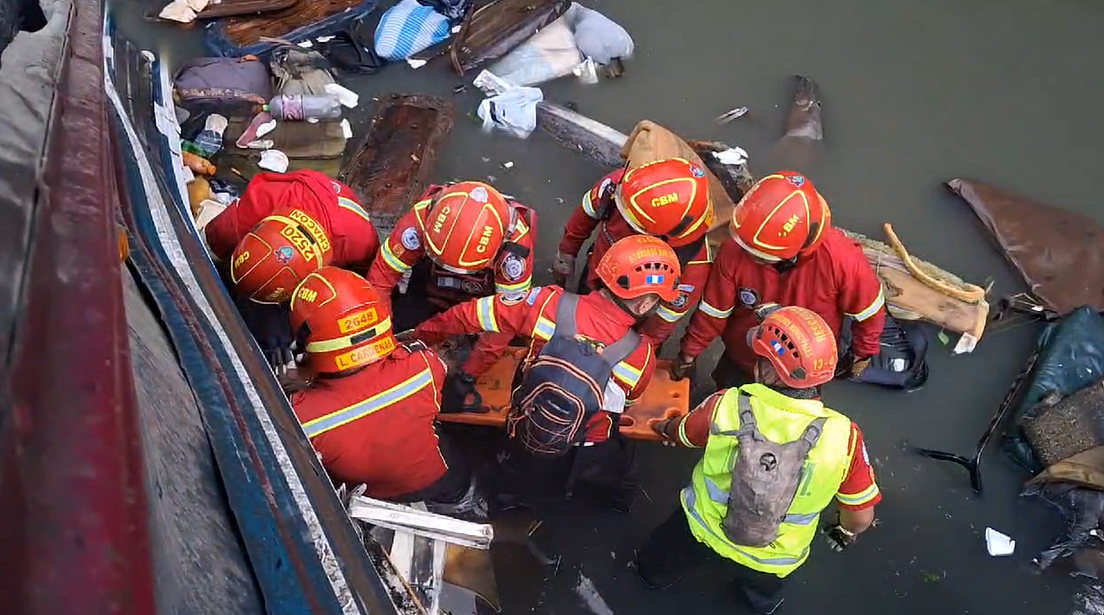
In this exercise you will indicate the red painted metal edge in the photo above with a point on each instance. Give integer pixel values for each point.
(73, 507)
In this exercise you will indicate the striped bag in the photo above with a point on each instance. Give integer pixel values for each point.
(407, 28)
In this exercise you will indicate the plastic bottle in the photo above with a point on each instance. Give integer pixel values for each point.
(209, 140)
(303, 107)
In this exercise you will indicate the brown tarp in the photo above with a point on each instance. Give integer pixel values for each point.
(1059, 253)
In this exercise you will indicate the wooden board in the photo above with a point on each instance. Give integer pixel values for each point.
(649, 142)
(391, 167)
(230, 8)
(495, 29)
(663, 398)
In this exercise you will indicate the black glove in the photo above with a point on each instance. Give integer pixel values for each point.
(280, 360)
(459, 388)
(839, 537)
(680, 367)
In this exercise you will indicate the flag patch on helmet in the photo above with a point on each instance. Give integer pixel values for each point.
(697, 171)
(654, 279)
(479, 194)
(284, 254)
(797, 180)
(778, 347)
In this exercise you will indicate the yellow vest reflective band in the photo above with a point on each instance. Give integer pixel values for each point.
(782, 419)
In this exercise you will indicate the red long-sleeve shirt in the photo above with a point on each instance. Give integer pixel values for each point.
(859, 489)
(332, 204)
(382, 423)
(589, 216)
(510, 272)
(533, 315)
(834, 281)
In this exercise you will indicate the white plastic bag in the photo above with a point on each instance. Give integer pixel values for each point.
(597, 36)
(549, 54)
(514, 111)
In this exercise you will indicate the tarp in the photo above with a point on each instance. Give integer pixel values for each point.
(1059, 253)
(1071, 356)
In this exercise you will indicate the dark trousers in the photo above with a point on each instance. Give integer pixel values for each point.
(605, 471)
(453, 485)
(672, 552)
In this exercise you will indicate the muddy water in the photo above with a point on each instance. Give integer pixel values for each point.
(914, 94)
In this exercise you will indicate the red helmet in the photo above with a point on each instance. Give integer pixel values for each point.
(780, 217)
(345, 323)
(668, 199)
(466, 225)
(799, 344)
(277, 254)
(639, 265)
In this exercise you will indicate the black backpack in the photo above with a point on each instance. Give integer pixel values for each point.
(563, 387)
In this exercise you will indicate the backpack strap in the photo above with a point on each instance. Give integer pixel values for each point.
(622, 348)
(813, 432)
(565, 315)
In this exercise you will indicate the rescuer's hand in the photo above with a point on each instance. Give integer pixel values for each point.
(839, 538)
(459, 394)
(563, 269)
(681, 366)
(662, 427)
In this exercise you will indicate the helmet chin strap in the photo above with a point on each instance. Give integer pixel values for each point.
(790, 263)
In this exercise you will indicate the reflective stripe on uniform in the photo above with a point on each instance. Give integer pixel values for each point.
(668, 314)
(858, 499)
(714, 312)
(544, 329)
(373, 404)
(354, 207)
(485, 312)
(392, 261)
(588, 205)
(872, 309)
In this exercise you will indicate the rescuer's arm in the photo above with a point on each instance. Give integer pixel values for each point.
(691, 430)
(584, 219)
(508, 313)
(397, 255)
(857, 496)
(717, 303)
(862, 299)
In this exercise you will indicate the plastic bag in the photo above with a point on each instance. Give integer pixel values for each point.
(597, 36)
(514, 111)
(549, 54)
(407, 28)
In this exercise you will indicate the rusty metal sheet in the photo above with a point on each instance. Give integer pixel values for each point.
(391, 167)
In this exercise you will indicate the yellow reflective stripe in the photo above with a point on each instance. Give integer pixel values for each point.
(392, 261)
(374, 403)
(484, 308)
(544, 329)
(668, 314)
(354, 207)
(627, 373)
(712, 311)
(588, 205)
(682, 434)
(872, 309)
(859, 499)
(522, 285)
(343, 342)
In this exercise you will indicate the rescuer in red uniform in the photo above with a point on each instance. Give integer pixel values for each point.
(784, 250)
(371, 409)
(668, 199)
(459, 242)
(283, 227)
(634, 275)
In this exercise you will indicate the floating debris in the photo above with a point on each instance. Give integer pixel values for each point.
(731, 114)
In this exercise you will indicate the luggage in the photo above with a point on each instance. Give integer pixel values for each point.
(307, 19)
(901, 360)
(227, 86)
(564, 386)
(392, 165)
(407, 28)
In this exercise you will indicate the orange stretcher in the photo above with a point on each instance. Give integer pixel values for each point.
(664, 398)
